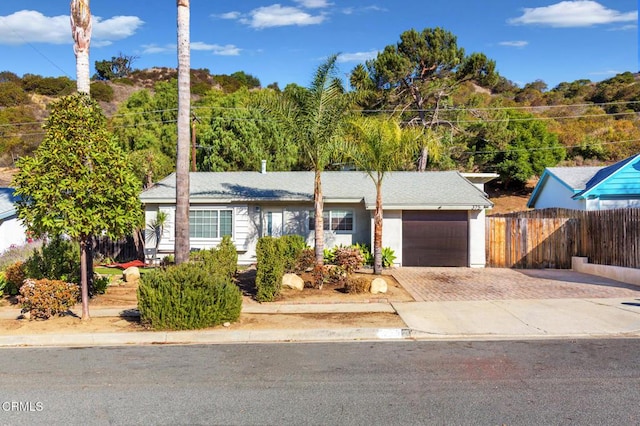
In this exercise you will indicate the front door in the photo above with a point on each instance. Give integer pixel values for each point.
(273, 223)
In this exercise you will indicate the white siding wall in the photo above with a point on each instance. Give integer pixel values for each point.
(477, 253)
(555, 194)
(598, 204)
(391, 232)
(11, 233)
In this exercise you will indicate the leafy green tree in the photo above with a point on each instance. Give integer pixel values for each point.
(379, 145)
(11, 94)
(418, 75)
(517, 145)
(247, 80)
(20, 134)
(78, 183)
(315, 118)
(233, 136)
(120, 66)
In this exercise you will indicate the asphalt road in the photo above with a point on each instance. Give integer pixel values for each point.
(475, 383)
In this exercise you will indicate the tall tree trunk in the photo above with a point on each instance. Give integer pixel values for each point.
(182, 162)
(84, 283)
(377, 230)
(422, 161)
(81, 32)
(318, 203)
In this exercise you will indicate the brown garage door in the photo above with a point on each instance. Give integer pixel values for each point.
(435, 238)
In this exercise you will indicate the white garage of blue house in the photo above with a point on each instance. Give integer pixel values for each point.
(430, 218)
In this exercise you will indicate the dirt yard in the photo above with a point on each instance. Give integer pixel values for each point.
(123, 296)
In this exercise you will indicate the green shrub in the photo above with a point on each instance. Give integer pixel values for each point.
(100, 284)
(14, 275)
(187, 297)
(365, 250)
(269, 270)
(46, 298)
(329, 255)
(292, 247)
(3, 283)
(101, 91)
(388, 256)
(222, 259)
(57, 260)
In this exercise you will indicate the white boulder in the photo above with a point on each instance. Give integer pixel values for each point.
(292, 281)
(131, 274)
(378, 285)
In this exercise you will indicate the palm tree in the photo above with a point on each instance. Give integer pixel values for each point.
(315, 118)
(182, 161)
(379, 145)
(81, 32)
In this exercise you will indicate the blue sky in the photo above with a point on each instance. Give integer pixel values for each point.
(284, 40)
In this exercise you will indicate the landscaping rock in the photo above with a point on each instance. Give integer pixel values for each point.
(131, 274)
(292, 281)
(378, 285)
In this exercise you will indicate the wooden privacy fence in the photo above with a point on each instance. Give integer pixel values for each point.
(126, 249)
(548, 238)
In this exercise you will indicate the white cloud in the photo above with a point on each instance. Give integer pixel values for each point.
(229, 15)
(30, 26)
(313, 4)
(514, 43)
(373, 8)
(281, 16)
(115, 28)
(216, 49)
(576, 13)
(357, 56)
(606, 73)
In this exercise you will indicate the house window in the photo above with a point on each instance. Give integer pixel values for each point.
(334, 220)
(210, 223)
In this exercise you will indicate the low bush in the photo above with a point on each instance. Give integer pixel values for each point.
(57, 260)
(222, 259)
(292, 247)
(388, 257)
(365, 250)
(46, 298)
(306, 260)
(348, 258)
(357, 285)
(101, 91)
(100, 284)
(14, 275)
(187, 297)
(269, 269)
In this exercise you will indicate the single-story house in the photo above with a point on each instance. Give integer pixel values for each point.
(589, 188)
(430, 218)
(12, 232)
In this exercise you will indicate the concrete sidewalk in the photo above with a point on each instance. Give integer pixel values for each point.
(461, 320)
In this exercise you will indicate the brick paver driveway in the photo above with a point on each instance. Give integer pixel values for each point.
(442, 284)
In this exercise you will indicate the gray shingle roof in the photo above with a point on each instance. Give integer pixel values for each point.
(575, 177)
(400, 189)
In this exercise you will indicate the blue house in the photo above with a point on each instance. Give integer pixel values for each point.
(589, 188)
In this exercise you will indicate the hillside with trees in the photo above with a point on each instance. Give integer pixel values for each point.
(472, 119)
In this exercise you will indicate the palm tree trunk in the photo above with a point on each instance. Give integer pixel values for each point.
(182, 161)
(81, 32)
(319, 220)
(377, 231)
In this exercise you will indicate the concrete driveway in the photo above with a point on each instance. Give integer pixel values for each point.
(460, 284)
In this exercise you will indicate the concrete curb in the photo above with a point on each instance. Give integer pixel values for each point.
(206, 337)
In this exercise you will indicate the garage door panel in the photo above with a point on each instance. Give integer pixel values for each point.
(435, 238)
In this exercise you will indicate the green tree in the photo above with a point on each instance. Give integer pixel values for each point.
(419, 74)
(379, 145)
(315, 118)
(232, 136)
(118, 67)
(78, 183)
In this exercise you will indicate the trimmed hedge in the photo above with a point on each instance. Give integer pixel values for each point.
(270, 269)
(187, 297)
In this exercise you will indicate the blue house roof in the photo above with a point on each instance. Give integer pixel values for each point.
(618, 180)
